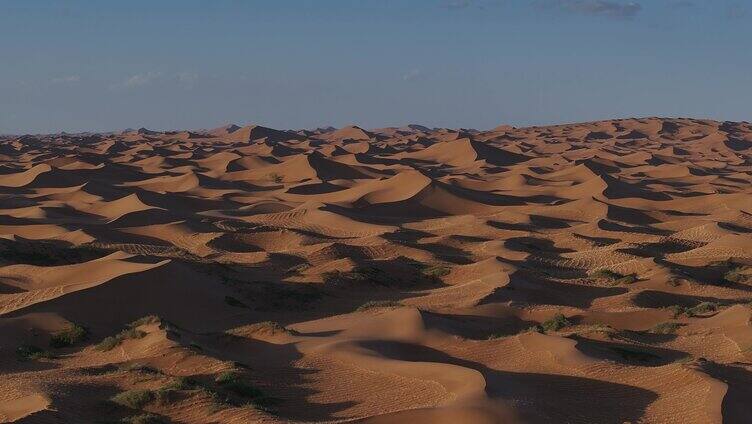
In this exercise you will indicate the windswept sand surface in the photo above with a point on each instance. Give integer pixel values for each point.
(584, 273)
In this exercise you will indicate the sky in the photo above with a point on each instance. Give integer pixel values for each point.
(289, 64)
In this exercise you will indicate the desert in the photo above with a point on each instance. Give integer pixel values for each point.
(595, 272)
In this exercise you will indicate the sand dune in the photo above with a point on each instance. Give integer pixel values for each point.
(596, 272)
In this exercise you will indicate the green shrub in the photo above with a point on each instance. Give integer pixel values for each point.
(665, 328)
(69, 337)
(555, 323)
(135, 399)
(31, 353)
(375, 304)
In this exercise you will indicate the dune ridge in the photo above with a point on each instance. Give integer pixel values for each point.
(593, 272)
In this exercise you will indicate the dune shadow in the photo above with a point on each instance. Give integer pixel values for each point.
(541, 398)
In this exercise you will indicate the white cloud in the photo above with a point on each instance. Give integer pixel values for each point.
(66, 79)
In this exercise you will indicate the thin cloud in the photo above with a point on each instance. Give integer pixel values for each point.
(467, 4)
(736, 11)
(70, 79)
(458, 4)
(137, 80)
(412, 75)
(603, 8)
(682, 4)
(187, 79)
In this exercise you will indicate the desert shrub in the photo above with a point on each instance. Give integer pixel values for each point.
(555, 323)
(677, 310)
(673, 282)
(164, 394)
(135, 399)
(180, 383)
(607, 273)
(702, 308)
(436, 271)
(149, 319)
(627, 279)
(108, 343)
(416, 274)
(144, 419)
(699, 309)
(234, 302)
(374, 304)
(69, 337)
(274, 177)
(736, 275)
(614, 277)
(31, 353)
(665, 328)
(232, 382)
(359, 274)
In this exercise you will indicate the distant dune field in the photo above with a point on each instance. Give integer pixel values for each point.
(581, 273)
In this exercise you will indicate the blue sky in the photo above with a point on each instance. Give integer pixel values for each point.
(101, 65)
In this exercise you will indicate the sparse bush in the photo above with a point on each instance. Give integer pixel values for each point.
(677, 310)
(108, 343)
(375, 304)
(180, 383)
(144, 419)
(702, 308)
(69, 337)
(555, 323)
(135, 399)
(31, 353)
(417, 274)
(614, 277)
(665, 328)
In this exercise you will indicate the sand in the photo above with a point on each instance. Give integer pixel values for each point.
(583, 273)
